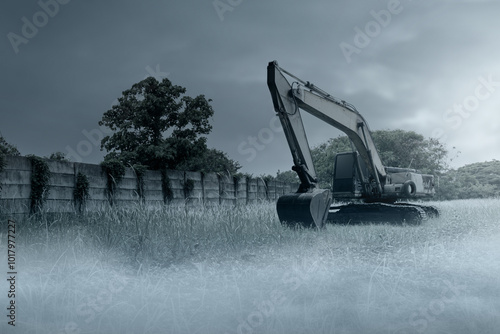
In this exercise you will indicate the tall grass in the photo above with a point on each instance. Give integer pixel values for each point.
(155, 235)
(157, 269)
(141, 237)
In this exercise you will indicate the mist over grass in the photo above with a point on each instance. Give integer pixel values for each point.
(237, 270)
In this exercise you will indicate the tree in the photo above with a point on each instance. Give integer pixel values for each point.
(397, 148)
(211, 160)
(288, 176)
(477, 180)
(143, 117)
(323, 157)
(7, 149)
(408, 149)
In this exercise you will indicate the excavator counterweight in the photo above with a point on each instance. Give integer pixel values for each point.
(358, 176)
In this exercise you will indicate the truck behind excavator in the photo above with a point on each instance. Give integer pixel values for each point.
(372, 190)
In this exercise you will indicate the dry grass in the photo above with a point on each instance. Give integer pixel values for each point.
(236, 269)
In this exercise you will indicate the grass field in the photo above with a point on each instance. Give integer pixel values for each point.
(237, 270)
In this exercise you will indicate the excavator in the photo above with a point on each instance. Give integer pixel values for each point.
(368, 191)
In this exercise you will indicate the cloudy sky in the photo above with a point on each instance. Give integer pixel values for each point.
(428, 66)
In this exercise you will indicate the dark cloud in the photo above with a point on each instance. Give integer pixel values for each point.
(427, 58)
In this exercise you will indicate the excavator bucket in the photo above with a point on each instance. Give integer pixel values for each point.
(309, 209)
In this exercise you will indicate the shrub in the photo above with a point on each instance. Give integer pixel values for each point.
(40, 176)
(188, 187)
(81, 192)
(2, 167)
(166, 187)
(115, 170)
(139, 172)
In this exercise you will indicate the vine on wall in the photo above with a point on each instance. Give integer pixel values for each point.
(140, 170)
(115, 170)
(2, 162)
(40, 176)
(81, 192)
(166, 187)
(2, 167)
(187, 187)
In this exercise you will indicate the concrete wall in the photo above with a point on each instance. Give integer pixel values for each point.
(204, 189)
(16, 184)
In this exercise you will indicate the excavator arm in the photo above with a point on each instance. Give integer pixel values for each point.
(291, 121)
(309, 206)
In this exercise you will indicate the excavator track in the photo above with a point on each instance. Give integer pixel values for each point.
(431, 211)
(367, 213)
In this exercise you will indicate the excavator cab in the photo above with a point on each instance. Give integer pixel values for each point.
(348, 176)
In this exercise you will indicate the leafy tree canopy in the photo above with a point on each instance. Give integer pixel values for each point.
(7, 149)
(477, 180)
(288, 176)
(397, 148)
(156, 125)
(211, 160)
(408, 149)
